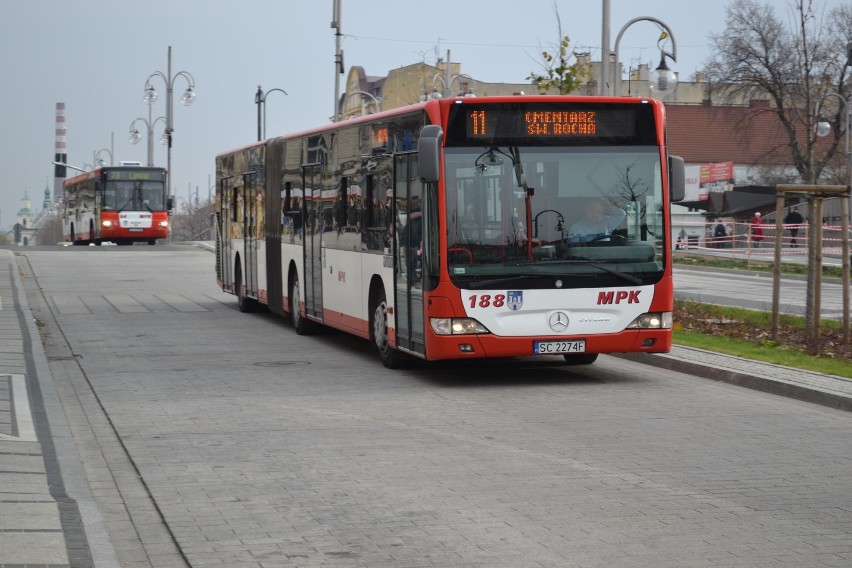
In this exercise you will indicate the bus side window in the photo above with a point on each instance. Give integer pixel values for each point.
(235, 193)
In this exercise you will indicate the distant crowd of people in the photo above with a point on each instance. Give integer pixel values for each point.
(723, 235)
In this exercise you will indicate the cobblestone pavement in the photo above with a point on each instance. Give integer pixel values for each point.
(286, 465)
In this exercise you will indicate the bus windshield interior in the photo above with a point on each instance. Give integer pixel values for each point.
(134, 195)
(531, 213)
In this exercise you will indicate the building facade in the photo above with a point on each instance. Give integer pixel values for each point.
(702, 128)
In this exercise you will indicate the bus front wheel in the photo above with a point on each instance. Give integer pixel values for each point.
(391, 358)
(581, 358)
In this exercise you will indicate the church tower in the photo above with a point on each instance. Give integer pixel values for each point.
(24, 230)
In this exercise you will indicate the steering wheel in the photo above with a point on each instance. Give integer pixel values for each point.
(614, 237)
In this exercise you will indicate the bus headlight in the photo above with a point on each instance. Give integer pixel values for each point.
(659, 320)
(457, 326)
(106, 223)
(164, 224)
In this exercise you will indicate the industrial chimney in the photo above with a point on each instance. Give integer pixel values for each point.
(59, 152)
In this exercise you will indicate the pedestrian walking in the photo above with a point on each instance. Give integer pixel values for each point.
(719, 234)
(756, 225)
(794, 219)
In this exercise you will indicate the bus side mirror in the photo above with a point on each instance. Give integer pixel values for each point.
(429, 149)
(170, 203)
(677, 179)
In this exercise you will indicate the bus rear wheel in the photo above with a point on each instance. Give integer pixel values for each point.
(300, 324)
(244, 303)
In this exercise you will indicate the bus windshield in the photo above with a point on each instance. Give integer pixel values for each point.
(585, 215)
(134, 195)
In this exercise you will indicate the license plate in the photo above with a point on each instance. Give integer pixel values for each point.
(135, 230)
(559, 347)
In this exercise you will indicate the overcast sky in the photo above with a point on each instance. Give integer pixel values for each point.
(95, 56)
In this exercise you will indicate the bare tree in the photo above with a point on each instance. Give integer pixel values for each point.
(50, 230)
(558, 72)
(796, 67)
(800, 68)
(193, 222)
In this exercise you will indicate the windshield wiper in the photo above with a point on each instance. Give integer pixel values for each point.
(623, 275)
(497, 281)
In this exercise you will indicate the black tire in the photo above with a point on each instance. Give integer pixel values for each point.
(245, 304)
(391, 358)
(301, 325)
(581, 358)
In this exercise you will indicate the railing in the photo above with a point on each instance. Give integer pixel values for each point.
(740, 238)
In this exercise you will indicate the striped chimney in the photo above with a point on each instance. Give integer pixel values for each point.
(59, 152)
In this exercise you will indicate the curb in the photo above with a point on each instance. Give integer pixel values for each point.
(743, 379)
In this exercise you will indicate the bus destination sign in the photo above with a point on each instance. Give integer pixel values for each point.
(551, 123)
(135, 174)
(544, 123)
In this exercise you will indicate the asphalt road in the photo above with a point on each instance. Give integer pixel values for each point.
(211, 437)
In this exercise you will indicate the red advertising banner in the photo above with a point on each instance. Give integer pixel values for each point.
(718, 176)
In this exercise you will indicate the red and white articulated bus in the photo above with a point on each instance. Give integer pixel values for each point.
(462, 228)
(122, 205)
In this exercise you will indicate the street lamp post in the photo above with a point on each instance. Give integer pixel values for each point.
(448, 87)
(363, 94)
(135, 136)
(822, 129)
(96, 159)
(149, 126)
(186, 99)
(663, 79)
(260, 101)
(338, 56)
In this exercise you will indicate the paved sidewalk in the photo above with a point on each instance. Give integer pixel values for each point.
(827, 390)
(48, 517)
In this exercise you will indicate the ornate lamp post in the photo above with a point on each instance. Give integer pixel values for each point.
(186, 99)
(377, 104)
(149, 126)
(98, 161)
(663, 79)
(448, 87)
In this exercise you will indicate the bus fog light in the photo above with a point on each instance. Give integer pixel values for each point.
(466, 348)
(658, 320)
(456, 326)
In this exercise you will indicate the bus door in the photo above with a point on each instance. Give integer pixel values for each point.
(227, 215)
(274, 202)
(410, 221)
(250, 232)
(314, 223)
